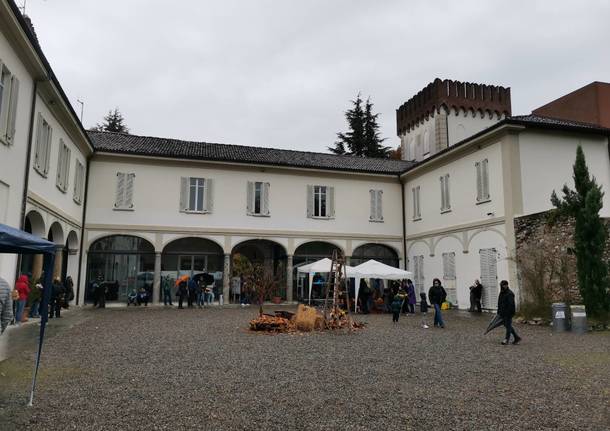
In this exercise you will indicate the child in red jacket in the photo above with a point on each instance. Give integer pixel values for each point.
(23, 288)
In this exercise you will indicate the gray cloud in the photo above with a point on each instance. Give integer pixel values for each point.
(280, 73)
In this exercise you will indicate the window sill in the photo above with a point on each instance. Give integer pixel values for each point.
(484, 201)
(61, 189)
(448, 210)
(40, 172)
(77, 201)
(5, 142)
(194, 212)
(417, 219)
(321, 218)
(123, 209)
(259, 215)
(375, 221)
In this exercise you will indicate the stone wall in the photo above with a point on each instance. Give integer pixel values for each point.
(548, 246)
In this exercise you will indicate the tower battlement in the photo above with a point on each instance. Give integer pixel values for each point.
(452, 95)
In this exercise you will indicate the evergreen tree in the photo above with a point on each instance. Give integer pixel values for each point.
(113, 122)
(363, 138)
(590, 234)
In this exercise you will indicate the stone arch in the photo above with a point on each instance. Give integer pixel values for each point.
(72, 241)
(381, 252)
(310, 241)
(95, 239)
(479, 231)
(168, 242)
(436, 241)
(36, 224)
(56, 233)
(412, 244)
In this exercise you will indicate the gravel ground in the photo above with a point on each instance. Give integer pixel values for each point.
(160, 369)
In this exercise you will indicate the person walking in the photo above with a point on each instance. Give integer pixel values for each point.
(506, 310)
(166, 285)
(476, 291)
(68, 291)
(437, 295)
(35, 298)
(397, 304)
(411, 298)
(364, 297)
(100, 292)
(193, 287)
(182, 290)
(6, 305)
(57, 294)
(423, 308)
(23, 288)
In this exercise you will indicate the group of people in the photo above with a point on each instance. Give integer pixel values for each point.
(404, 300)
(192, 290)
(28, 292)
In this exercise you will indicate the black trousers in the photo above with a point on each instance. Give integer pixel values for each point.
(180, 300)
(191, 298)
(395, 315)
(54, 307)
(411, 308)
(508, 324)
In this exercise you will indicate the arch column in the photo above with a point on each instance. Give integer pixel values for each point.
(348, 260)
(59, 258)
(289, 278)
(157, 279)
(226, 278)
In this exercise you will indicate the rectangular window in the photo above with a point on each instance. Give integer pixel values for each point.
(195, 195)
(376, 205)
(9, 94)
(44, 135)
(124, 191)
(449, 266)
(482, 181)
(445, 202)
(79, 182)
(63, 166)
(258, 198)
(418, 273)
(320, 201)
(416, 207)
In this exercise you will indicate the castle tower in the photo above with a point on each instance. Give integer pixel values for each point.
(446, 112)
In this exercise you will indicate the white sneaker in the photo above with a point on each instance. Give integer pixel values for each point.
(425, 326)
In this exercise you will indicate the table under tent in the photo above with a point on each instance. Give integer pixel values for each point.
(371, 269)
(15, 241)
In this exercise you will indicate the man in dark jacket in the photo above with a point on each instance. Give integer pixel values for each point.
(476, 292)
(57, 295)
(506, 310)
(437, 296)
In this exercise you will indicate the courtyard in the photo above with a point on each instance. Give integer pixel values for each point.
(160, 369)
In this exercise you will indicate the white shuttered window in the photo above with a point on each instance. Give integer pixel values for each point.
(416, 206)
(376, 205)
(257, 198)
(63, 166)
(482, 169)
(9, 94)
(445, 202)
(79, 182)
(320, 202)
(124, 191)
(42, 154)
(196, 195)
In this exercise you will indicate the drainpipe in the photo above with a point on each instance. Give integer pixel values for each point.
(82, 232)
(404, 224)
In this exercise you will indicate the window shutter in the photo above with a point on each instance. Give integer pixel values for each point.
(479, 181)
(447, 195)
(266, 198)
(208, 193)
(60, 164)
(38, 152)
(442, 193)
(120, 190)
(310, 201)
(330, 204)
(418, 203)
(250, 198)
(129, 190)
(48, 149)
(373, 215)
(184, 193)
(67, 169)
(12, 113)
(485, 175)
(379, 205)
(414, 203)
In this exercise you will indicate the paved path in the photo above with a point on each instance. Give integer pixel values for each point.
(168, 369)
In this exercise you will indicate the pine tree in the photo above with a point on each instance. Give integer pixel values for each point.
(363, 138)
(113, 122)
(590, 234)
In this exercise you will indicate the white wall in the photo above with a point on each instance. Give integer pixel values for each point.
(13, 158)
(547, 161)
(409, 141)
(462, 124)
(46, 187)
(463, 192)
(157, 194)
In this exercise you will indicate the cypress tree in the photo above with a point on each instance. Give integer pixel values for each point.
(590, 233)
(113, 122)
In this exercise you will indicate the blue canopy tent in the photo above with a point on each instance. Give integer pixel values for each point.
(16, 241)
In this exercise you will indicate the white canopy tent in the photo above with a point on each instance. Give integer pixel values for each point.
(321, 266)
(373, 269)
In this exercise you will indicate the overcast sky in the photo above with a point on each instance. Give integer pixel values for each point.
(280, 73)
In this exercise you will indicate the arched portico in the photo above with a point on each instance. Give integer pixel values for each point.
(307, 253)
(379, 252)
